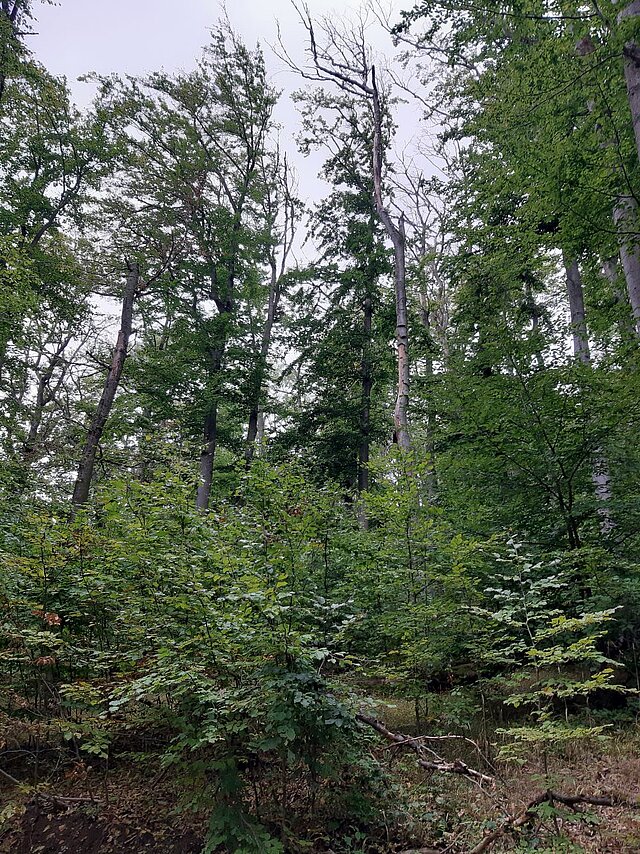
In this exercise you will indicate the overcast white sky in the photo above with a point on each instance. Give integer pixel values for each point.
(74, 37)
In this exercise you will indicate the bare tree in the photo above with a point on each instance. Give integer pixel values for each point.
(343, 60)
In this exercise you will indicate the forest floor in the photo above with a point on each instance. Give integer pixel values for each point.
(132, 808)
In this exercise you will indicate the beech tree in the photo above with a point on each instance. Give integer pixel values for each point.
(198, 163)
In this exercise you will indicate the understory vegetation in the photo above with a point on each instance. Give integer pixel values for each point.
(336, 555)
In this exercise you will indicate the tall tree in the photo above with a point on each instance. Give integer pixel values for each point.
(343, 60)
(111, 383)
(197, 145)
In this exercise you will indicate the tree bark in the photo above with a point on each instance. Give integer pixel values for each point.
(208, 452)
(631, 54)
(576, 309)
(365, 400)
(625, 217)
(207, 456)
(44, 396)
(600, 476)
(431, 473)
(261, 365)
(112, 381)
(397, 237)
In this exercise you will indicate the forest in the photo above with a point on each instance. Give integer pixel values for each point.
(319, 516)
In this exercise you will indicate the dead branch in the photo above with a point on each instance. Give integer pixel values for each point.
(438, 763)
(529, 813)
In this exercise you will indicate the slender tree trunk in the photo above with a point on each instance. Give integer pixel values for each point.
(260, 370)
(225, 303)
(112, 381)
(210, 434)
(600, 476)
(207, 456)
(626, 326)
(397, 237)
(601, 480)
(44, 395)
(576, 309)
(366, 379)
(432, 474)
(625, 217)
(365, 398)
(535, 322)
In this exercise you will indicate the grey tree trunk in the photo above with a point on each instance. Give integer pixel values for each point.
(626, 325)
(631, 53)
(260, 370)
(431, 474)
(225, 304)
(576, 309)
(207, 456)
(112, 381)
(44, 395)
(210, 434)
(600, 476)
(365, 404)
(625, 217)
(366, 380)
(397, 237)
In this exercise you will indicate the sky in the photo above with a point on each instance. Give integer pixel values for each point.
(74, 37)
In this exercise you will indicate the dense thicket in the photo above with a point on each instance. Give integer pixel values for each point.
(223, 534)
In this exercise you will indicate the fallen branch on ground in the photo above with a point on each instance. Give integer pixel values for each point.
(10, 778)
(529, 813)
(438, 763)
(67, 800)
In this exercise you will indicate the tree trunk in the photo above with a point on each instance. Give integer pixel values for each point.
(431, 473)
(625, 217)
(261, 365)
(576, 309)
(112, 381)
(397, 237)
(44, 396)
(208, 452)
(631, 53)
(601, 480)
(365, 398)
(600, 468)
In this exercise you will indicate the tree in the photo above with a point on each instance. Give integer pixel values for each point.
(112, 380)
(343, 61)
(198, 162)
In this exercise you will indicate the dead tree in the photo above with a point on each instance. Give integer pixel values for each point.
(343, 61)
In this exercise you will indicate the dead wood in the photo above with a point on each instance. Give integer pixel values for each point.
(529, 813)
(428, 759)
